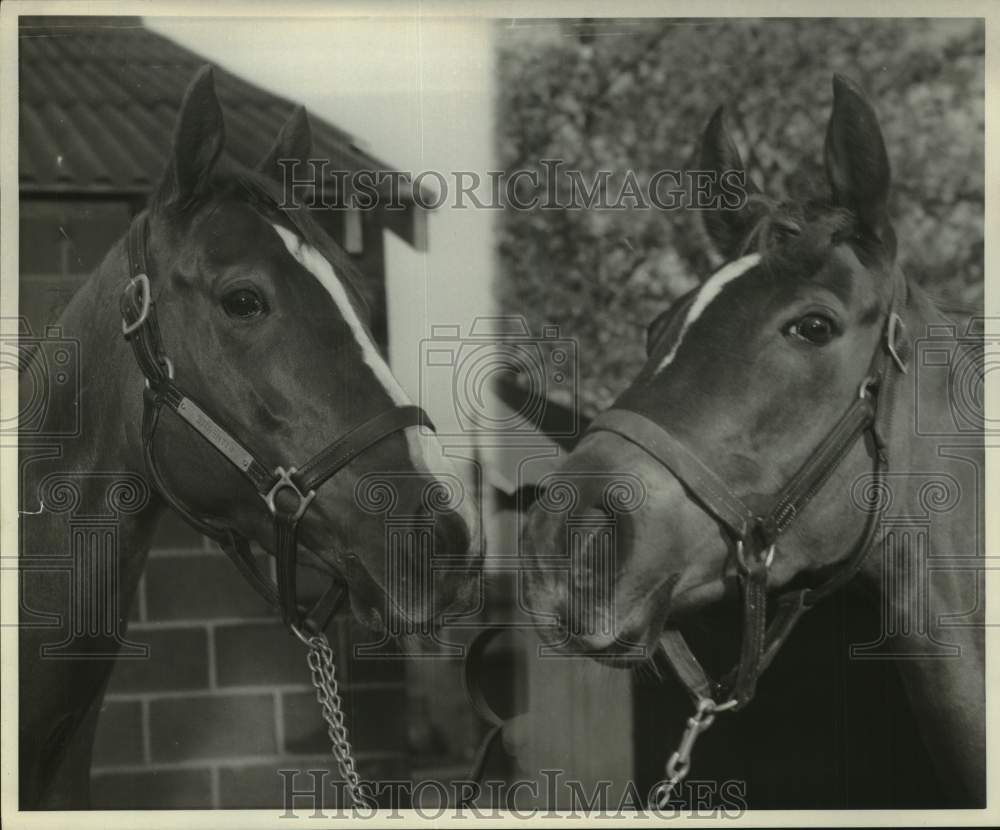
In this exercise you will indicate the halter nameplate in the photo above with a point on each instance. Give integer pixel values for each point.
(142, 331)
(214, 434)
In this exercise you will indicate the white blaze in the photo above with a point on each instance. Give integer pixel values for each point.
(425, 450)
(318, 265)
(708, 292)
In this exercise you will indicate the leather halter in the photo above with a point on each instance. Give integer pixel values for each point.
(756, 536)
(274, 485)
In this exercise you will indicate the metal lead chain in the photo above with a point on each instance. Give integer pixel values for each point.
(679, 764)
(324, 679)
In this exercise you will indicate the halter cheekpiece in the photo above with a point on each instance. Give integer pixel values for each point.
(287, 490)
(755, 536)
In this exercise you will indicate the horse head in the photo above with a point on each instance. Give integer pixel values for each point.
(748, 374)
(264, 326)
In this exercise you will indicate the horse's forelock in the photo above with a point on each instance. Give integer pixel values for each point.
(795, 239)
(268, 198)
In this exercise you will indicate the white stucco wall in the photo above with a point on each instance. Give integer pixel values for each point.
(416, 93)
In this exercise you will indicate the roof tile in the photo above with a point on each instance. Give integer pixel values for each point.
(98, 100)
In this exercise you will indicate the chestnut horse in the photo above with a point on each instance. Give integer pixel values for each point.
(781, 412)
(236, 301)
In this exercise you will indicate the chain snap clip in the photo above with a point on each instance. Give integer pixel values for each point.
(679, 764)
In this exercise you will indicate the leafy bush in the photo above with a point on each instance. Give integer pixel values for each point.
(636, 94)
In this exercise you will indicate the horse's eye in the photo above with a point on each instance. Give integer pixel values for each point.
(244, 303)
(813, 328)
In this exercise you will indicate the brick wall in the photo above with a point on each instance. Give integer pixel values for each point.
(224, 699)
(60, 243)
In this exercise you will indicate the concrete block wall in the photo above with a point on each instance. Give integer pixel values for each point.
(224, 699)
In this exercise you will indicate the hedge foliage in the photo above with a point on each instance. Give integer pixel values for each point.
(636, 94)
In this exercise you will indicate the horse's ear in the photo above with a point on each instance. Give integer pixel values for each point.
(729, 222)
(198, 140)
(857, 164)
(294, 142)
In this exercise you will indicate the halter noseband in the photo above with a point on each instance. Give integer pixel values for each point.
(141, 328)
(756, 535)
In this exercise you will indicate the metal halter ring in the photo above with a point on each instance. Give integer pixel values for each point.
(741, 556)
(285, 481)
(143, 282)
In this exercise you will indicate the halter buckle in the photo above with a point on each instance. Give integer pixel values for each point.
(167, 364)
(894, 326)
(144, 302)
(285, 482)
